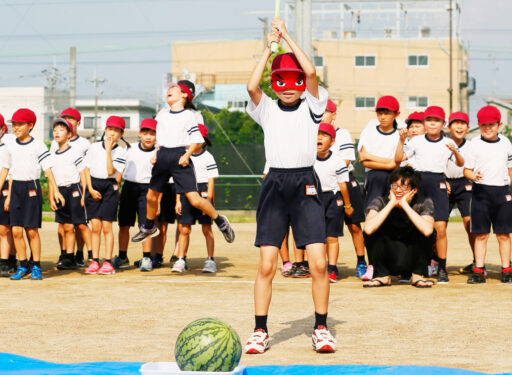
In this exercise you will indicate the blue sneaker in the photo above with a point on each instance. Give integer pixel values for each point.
(360, 270)
(36, 273)
(20, 273)
(157, 262)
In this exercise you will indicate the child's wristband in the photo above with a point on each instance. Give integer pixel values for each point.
(347, 206)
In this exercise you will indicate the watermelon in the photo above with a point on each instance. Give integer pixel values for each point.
(208, 345)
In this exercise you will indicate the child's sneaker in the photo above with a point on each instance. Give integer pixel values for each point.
(174, 258)
(506, 275)
(120, 263)
(467, 269)
(67, 264)
(286, 269)
(477, 276)
(361, 270)
(157, 262)
(227, 229)
(36, 273)
(145, 264)
(179, 266)
(106, 269)
(93, 268)
(4, 270)
(442, 276)
(433, 268)
(323, 342)
(20, 273)
(302, 272)
(209, 266)
(145, 233)
(333, 277)
(291, 271)
(368, 275)
(80, 262)
(257, 343)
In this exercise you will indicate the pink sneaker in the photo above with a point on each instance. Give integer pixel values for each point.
(93, 268)
(106, 269)
(286, 269)
(369, 274)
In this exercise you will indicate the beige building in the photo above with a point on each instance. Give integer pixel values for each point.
(356, 72)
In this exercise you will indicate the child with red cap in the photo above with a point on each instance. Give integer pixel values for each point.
(459, 186)
(136, 176)
(289, 194)
(489, 165)
(333, 174)
(206, 173)
(431, 153)
(27, 156)
(104, 162)
(344, 146)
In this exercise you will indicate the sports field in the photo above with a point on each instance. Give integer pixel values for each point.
(134, 316)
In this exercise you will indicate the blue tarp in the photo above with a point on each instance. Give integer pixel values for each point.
(17, 365)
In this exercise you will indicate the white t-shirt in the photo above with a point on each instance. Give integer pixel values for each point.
(344, 146)
(378, 143)
(205, 167)
(177, 129)
(7, 138)
(290, 132)
(96, 160)
(138, 164)
(67, 166)
(331, 171)
(429, 156)
(4, 156)
(452, 170)
(27, 159)
(491, 158)
(79, 144)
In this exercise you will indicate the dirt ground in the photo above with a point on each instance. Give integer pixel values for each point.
(134, 316)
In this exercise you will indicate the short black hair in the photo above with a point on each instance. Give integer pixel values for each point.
(403, 174)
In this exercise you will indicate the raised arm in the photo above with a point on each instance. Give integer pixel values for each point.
(399, 153)
(254, 80)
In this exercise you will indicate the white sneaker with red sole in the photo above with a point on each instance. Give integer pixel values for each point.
(257, 343)
(323, 342)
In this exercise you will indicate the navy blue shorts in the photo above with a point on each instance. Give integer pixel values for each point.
(491, 205)
(4, 215)
(376, 184)
(356, 200)
(26, 207)
(289, 197)
(334, 213)
(433, 186)
(132, 204)
(106, 207)
(190, 214)
(72, 212)
(167, 166)
(168, 204)
(460, 195)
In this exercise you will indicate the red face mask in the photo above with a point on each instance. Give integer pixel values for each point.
(282, 81)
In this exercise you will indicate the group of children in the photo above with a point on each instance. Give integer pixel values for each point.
(167, 175)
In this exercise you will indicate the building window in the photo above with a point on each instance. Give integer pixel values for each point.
(417, 60)
(361, 60)
(237, 104)
(417, 101)
(318, 61)
(127, 122)
(89, 122)
(365, 101)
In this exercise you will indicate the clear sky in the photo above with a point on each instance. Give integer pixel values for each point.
(128, 41)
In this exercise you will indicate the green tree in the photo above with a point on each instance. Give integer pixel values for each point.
(238, 125)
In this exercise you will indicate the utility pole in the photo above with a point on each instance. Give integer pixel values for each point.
(450, 90)
(72, 76)
(303, 10)
(97, 92)
(52, 76)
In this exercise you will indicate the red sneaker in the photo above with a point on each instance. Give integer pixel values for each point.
(257, 343)
(323, 342)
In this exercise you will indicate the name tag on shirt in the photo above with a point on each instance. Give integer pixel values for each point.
(204, 194)
(32, 193)
(5, 192)
(116, 187)
(75, 194)
(469, 187)
(339, 202)
(442, 186)
(354, 183)
(508, 197)
(310, 190)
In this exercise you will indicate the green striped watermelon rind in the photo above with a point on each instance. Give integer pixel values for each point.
(197, 349)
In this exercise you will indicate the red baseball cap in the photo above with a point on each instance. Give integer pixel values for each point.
(327, 128)
(458, 116)
(2, 123)
(24, 115)
(148, 123)
(415, 116)
(186, 86)
(331, 107)
(435, 111)
(116, 122)
(488, 114)
(71, 112)
(61, 121)
(388, 102)
(286, 62)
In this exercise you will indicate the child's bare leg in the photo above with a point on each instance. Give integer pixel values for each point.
(152, 204)
(320, 279)
(480, 249)
(79, 239)
(161, 239)
(19, 243)
(263, 284)
(109, 238)
(34, 242)
(210, 240)
(357, 238)
(504, 247)
(176, 240)
(61, 235)
(441, 240)
(96, 237)
(85, 234)
(201, 204)
(69, 238)
(183, 240)
(5, 241)
(124, 237)
(471, 237)
(333, 249)
(284, 251)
